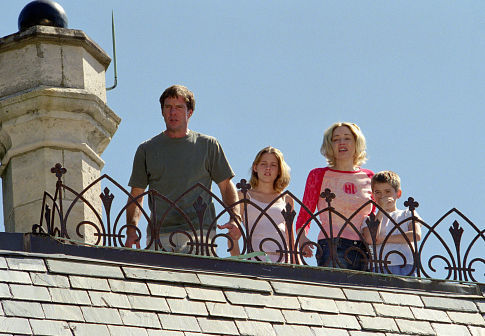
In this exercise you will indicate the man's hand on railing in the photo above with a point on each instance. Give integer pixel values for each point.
(306, 246)
(132, 237)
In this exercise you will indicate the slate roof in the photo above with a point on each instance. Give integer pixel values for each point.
(60, 294)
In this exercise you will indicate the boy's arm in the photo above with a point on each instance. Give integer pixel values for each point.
(398, 238)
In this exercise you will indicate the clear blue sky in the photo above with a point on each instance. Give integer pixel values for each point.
(410, 73)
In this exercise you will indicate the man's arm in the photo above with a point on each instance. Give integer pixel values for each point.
(133, 213)
(229, 197)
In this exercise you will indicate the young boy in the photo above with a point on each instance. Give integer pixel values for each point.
(386, 189)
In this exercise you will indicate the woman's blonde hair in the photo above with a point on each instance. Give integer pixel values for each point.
(283, 178)
(360, 156)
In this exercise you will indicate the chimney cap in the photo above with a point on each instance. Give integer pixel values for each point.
(44, 13)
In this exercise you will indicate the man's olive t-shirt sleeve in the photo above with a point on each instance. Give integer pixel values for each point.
(220, 170)
(139, 176)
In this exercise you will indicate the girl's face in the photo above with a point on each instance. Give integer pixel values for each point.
(267, 168)
(343, 144)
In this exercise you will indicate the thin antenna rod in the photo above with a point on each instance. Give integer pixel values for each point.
(114, 51)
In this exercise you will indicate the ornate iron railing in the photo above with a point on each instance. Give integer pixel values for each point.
(459, 260)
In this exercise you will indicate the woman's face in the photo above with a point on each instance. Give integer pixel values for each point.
(343, 144)
(267, 168)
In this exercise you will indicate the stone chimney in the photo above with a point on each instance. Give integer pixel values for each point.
(52, 109)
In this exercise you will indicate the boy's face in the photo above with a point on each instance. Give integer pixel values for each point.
(386, 196)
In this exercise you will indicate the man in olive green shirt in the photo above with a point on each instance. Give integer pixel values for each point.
(171, 163)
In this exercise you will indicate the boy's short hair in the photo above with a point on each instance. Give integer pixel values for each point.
(387, 176)
(176, 91)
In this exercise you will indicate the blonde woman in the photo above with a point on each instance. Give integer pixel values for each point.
(270, 175)
(345, 151)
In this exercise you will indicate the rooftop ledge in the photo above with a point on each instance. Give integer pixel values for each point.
(28, 243)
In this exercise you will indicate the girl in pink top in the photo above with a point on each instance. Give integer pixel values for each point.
(265, 224)
(350, 188)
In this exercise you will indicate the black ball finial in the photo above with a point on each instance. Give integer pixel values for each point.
(44, 13)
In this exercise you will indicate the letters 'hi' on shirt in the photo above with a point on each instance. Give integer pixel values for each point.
(351, 188)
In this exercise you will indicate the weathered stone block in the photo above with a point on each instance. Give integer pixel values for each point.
(179, 322)
(169, 290)
(220, 327)
(49, 327)
(187, 307)
(234, 282)
(205, 294)
(253, 328)
(226, 310)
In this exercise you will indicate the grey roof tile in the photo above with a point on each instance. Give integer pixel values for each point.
(22, 309)
(179, 322)
(65, 312)
(108, 299)
(167, 290)
(365, 333)
(82, 268)
(219, 327)
(382, 324)
(50, 327)
(127, 331)
(292, 330)
(15, 325)
(449, 304)
(442, 329)
(205, 294)
(362, 295)
(88, 329)
(356, 308)
(340, 321)
(467, 318)
(265, 314)
(316, 304)
(481, 307)
(26, 264)
(5, 291)
(81, 282)
(137, 273)
(432, 315)
(402, 299)
(187, 307)
(125, 286)
(393, 311)
(245, 298)
(226, 310)
(255, 328)
(3, 262)
(142, 302)
(50, 280)
(304, 318)
(476, 331)
(15, 277)
(234, 282)
(30, 293)
(69, 296)
(139, 319)
(101, 315)
(291, 288)
(415, 327)
(158, 332)
(331, 331)
(279, 301)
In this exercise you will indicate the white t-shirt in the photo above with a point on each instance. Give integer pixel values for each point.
(399, 216)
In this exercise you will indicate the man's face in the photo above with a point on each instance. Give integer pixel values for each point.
(176, 115)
